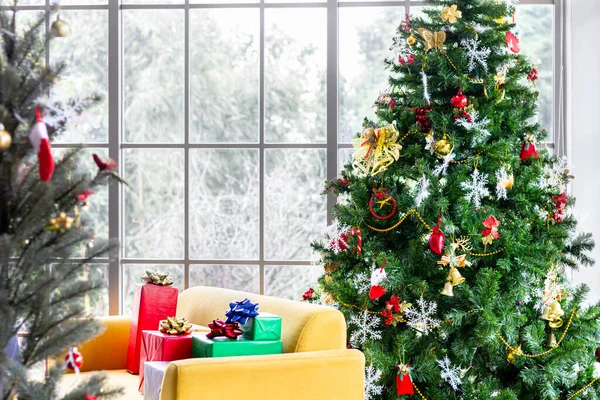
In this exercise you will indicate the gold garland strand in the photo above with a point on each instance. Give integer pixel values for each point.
(550, 350)
(466, 160)
(419, 392)
(473, 80)
(493, 253)
(577, 393)
(413, 211)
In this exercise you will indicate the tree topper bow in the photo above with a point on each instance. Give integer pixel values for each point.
(376, 149)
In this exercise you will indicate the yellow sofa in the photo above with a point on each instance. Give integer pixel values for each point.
(315, 365)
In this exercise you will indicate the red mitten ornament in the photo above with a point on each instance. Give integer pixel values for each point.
(38, 136)
(513, 42)
(437, 238)
(377, 277)
(74, 359)
(404, 383)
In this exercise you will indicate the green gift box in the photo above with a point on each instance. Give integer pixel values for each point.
(223, 347)
(265, 326)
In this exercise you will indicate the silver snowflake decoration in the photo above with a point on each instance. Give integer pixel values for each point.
(426, 95)
(442, 169)
(553, 177)
(479, 28)
(476, 189)
(478, 128)
(366, 328)
(343, 199)
(337, 235)
(502, 178)
(362, 282)
(449, 373)
(475, 54)
(421, 191)
(372, 377)
(422, 317)
(401, 48)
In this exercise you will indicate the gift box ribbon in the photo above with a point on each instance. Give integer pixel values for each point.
(219, 328)
(241, 311)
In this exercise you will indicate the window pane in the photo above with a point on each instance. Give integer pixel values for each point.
(132, 275)
(290, 281)
(224, 205)
(237, 277)
(218, 113)
(364, 39)
(295, 75)
(295, 212)
(153, 67)
(536, 23)
(97, 302)
(79, 2)
(86, 73)
(154, 204)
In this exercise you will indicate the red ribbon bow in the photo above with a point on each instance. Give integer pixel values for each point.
(220, 328)
(380, 194)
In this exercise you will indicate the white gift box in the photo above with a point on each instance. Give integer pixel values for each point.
(153, 377)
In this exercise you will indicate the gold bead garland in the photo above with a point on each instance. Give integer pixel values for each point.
(419, 392)
(577, 393)
(550, 350)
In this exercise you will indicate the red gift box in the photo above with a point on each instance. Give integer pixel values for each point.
(157, 346)
(151, 304)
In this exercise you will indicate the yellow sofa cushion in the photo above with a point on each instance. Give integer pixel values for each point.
(305, 327)
(108, 350)
(118, 378)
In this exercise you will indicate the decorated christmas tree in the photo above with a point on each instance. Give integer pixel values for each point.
(46, 237)
(453, 229)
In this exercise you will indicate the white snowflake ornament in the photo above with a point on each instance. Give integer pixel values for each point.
(422, 317)
(372, 377)
(362, 283)
(476, 189)
(449, 373)
(442, 169)
(422, 191)
(475, 54)
(478, 128)
(366, 328)
(504, 182)
(430, 143)
(337, 235)
(553, 177)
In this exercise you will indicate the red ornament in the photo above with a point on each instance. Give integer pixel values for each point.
(527, 151)
(411, 59)
(437, 238)
(513, 42)
(557, 217)
(393, 304)
(404, 383)
(422, 120)
(459, 101)
(491, 228)
(106, 164)
(377, 278)
(562, 202)
(89, 397)
(308, 294)
(384, 199)
(343, 181)
(341, 242)
(406, 23)
(598, 354)
(388, 316)
(40, 141)
(358, 233)
(74, 359)
(84, 196)
(533, 75)
(392, 103)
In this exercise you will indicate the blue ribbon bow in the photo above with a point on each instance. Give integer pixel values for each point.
(241, 311)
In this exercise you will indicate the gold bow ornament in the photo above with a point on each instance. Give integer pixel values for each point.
(375, 150)
(175, 326)
(454, 277)
(433, 40)
(157, 278)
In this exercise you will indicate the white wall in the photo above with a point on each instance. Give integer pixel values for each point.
(584, 115)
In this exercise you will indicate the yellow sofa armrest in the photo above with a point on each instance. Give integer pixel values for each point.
(109, 349)
(319, 375)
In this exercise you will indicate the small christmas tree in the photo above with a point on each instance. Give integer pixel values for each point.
(43, 223)
(453, 228)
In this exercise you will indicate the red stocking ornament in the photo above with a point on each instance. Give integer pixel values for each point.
(377, 278)
(404, 383)
(38, 136)
(437, 238)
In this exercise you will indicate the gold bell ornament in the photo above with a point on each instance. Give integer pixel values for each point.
(553, 313)
(448, 291)
(443, 146)
(60, 27)
(455, 277)
(552, 339)
(5, 138)
(513, 353)
(411, 40)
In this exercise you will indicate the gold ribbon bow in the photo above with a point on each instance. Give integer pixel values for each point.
(376, 149)
(157, 278)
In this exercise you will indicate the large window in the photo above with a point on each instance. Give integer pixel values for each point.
(225, 119)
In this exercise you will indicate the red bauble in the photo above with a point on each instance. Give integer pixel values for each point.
(459, 101)
(437, 238)
(421, 118)
(77, 359)
(404, 384)
(89, 397)
(598, 354)
(533, 75)
(527, 151)
(342, 242)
